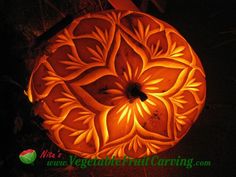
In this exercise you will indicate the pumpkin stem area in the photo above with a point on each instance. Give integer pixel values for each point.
(133, 90)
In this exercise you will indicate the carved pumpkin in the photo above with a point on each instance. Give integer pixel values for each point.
(118, 83)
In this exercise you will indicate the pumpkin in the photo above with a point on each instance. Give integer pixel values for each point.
(117, 83)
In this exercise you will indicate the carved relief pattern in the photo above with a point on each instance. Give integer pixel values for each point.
(80, 86)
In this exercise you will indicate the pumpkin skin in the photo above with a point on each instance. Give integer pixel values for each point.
(117, 83)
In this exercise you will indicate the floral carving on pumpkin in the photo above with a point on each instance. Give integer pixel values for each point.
(118, 83)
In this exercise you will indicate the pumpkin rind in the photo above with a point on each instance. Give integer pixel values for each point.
(81, 86)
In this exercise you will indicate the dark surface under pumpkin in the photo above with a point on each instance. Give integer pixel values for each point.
(208, 27)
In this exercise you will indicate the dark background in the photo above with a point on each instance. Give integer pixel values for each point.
(210, 28)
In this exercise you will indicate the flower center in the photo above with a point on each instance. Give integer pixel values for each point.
(133, 91)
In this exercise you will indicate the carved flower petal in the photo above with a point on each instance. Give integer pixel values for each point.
(122, 123)
(163, 79)
(154, 115)
(106, 89)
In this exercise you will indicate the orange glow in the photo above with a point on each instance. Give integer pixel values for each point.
(118, 83)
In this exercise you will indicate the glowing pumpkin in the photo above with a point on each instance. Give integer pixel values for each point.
(118, 83)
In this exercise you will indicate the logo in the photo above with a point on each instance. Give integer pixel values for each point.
(28, 156)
